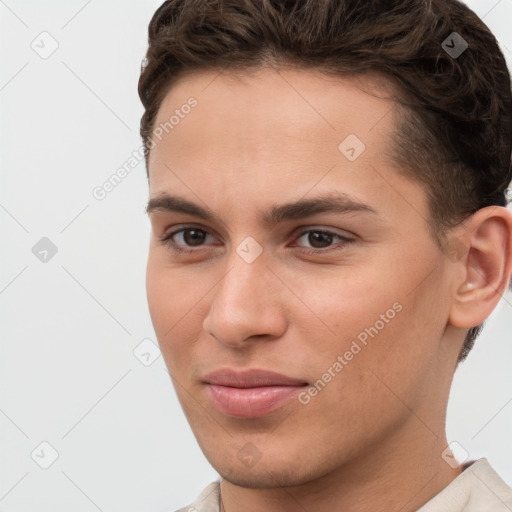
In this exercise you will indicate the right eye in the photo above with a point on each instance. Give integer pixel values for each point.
(187, 237)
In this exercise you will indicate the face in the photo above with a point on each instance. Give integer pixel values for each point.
(298, 298)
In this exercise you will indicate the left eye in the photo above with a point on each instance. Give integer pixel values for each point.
(320, 239)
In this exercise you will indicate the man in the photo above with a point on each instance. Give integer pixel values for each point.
(329, 232)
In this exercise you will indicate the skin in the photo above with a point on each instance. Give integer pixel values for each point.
(373, 437)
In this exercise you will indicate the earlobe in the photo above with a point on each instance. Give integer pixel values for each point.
(487, 266)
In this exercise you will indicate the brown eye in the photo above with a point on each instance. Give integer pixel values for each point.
(185, 238)
(319, 240)
(193, 237)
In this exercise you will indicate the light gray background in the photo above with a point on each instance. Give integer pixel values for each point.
(68, 375)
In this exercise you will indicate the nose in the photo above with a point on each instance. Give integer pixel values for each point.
(246, 304)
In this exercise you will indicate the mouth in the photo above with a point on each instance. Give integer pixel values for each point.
(252, 393)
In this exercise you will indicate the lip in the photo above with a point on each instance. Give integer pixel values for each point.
(251, 393)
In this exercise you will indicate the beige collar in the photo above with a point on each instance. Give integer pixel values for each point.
(477, 489)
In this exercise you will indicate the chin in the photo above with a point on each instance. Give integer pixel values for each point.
(265, 477)
(278, 469)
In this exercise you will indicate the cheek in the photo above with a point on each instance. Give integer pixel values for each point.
(168, 291)
(349, 302)
(373, 361)
(399, 336)
(394, 317)
(159, 293)
(176, 311)
(166, 299)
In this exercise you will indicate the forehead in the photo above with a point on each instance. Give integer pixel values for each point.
(271, 130)
(265, 104)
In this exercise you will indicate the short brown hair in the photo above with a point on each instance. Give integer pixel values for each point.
(455, 130)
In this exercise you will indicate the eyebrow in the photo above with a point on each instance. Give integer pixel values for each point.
(338, 203)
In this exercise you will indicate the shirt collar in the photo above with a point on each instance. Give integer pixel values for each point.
(477, 488)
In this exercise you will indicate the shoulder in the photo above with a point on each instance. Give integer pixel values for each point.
(488, 489)
(477, 488)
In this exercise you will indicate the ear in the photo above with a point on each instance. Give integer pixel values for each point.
(484, 249)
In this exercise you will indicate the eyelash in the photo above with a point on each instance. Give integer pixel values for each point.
(167, 240)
